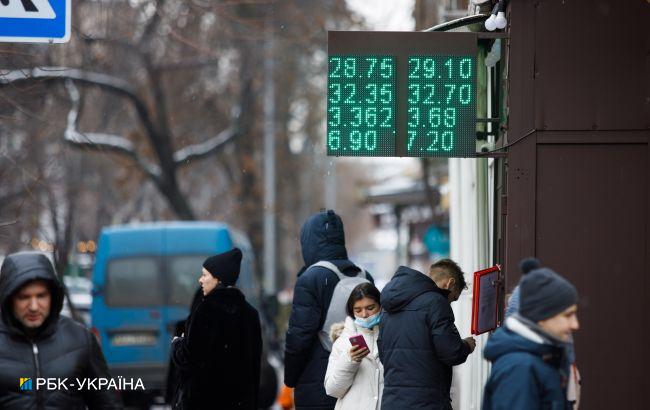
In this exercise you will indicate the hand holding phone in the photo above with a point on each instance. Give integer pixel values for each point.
(359, 348)
(358, 340)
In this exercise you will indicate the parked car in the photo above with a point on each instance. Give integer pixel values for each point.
(80, 292)
(144, 279)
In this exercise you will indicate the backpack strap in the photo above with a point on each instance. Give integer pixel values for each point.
(330, 266)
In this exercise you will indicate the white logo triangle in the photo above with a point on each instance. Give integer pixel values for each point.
(30, 9)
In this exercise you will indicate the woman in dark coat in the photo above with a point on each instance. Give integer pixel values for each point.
(219, 356)
(174, 380)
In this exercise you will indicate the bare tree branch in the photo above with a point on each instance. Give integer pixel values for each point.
(162, 174)
(159, 107)
(153, 24)
(125, 45)
(194, 152)
(188, 64)
(100, 141)
(3, 224)
(185, 64)
(60, 74)
(9, 197)
(239, 126)
(113, 143)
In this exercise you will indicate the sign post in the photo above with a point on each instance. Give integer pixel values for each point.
(35, 21)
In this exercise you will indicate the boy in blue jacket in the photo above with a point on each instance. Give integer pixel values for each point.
(530, 367)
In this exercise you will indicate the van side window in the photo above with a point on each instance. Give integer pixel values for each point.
(184, 273)
(134, 282)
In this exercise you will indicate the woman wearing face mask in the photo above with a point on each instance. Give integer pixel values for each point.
(354, 374)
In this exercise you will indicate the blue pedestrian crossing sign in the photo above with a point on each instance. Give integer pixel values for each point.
(35, 21)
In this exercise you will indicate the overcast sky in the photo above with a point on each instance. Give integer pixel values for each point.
(386, 15)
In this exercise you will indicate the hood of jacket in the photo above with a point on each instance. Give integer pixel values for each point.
(322, 238)
(406, 285)
(17, 270)
(516, 336)
(335, 330)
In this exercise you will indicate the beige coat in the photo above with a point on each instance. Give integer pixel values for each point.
(358, 386)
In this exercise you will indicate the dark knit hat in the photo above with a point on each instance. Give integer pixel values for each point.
(225, 266)
(544, 294)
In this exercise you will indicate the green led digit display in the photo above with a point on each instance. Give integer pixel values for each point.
(441, 107)
(361, 105)
(405, 94)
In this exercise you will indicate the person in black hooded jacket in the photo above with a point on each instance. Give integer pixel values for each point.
(305, 360)
(418, 341)
(36, 342)
(219, 357)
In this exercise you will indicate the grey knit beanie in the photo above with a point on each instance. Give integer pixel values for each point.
(544, 294)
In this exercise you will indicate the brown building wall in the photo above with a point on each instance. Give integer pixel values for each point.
(578, 185)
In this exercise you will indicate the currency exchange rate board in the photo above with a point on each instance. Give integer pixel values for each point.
(361, 105)
(401, 94)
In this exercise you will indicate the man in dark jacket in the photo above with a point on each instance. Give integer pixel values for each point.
(530, 365)
(418, 341)
(36, 342)
(305, 361)
(219, 357)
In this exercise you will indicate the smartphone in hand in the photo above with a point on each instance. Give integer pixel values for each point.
(358, 341)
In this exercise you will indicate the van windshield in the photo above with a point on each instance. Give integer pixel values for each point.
(134, 282)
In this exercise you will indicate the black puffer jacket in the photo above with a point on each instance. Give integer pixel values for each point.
(305, 361)
(61, 348)
(418, 343)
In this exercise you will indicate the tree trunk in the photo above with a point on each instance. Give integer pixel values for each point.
(175, 198)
